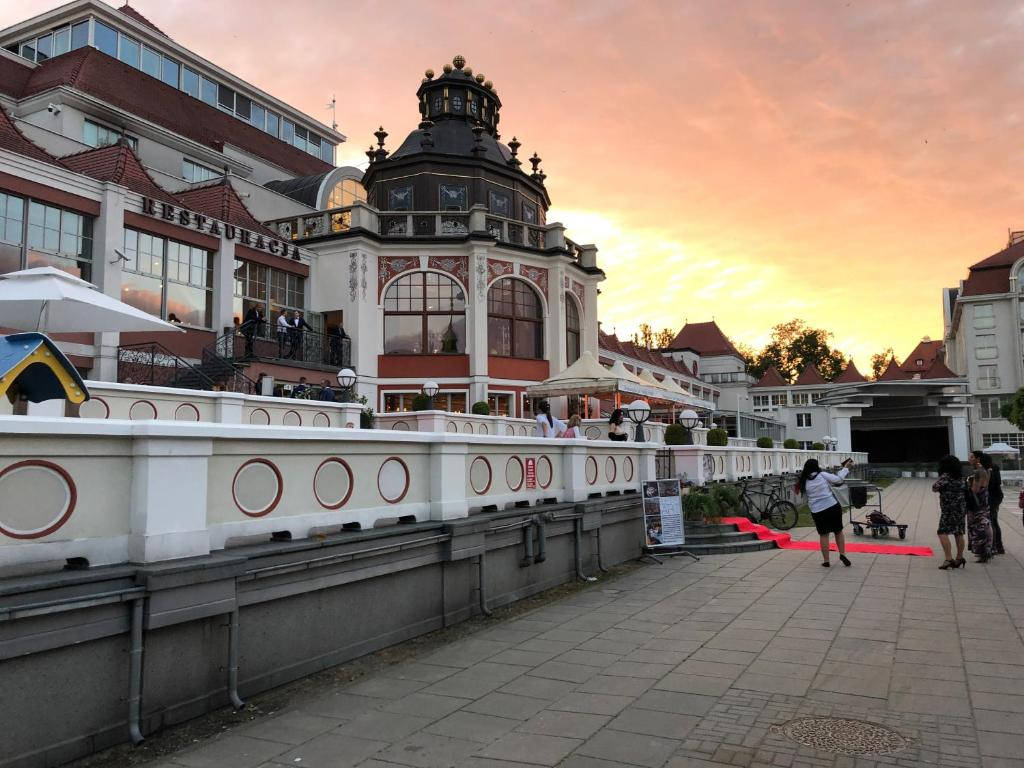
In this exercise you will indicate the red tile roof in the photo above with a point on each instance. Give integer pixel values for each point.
(772, 378)
(13, 140)
(220, 201)
(642, 357)
(705, 339)
(118, 163)
(850, 375)
(13, 76)
(939, 370)
(114, 82)
(992, 275)
(893, 372)
(927, 351)
(809, 376)
(131, 13)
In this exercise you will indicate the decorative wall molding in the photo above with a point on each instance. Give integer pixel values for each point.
(389, 267)
(456, 266)
(536, 275)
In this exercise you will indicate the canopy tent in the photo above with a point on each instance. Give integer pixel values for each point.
(588, 377)
(1002, 449)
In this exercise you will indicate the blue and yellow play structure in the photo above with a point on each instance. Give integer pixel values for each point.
(32, 367)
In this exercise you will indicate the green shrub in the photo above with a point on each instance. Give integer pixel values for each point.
(790, 443)
(366, 416)
(718, 436)
(421, 403)
(481, 408)
(765, 442)
(675, 434)
(725, 500)
(695, 506)
(817, 446)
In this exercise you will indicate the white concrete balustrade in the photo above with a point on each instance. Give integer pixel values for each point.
(703, 464)
(114, 490)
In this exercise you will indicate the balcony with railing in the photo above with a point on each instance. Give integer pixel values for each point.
(432, 224)
(305, 348)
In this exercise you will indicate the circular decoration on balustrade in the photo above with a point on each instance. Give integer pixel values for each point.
(39, 497)
(483, 430)
(186, 412)
(593, 433)
(709, 466)
(393, 480)
(257, 487)
(259, 417)
(480, 475)
(142, 410)
(467, 428)
(510, 430)
(514, 473)
(94, 408)
(321, 419)
(332, 483)
(609, 469)
(451, 426)
(719, 465)
(768, 462)
(522, 431)
(627, 469)
(591, 470)
(291, 419)
(400, 426)
(544, 472)
(843, 736)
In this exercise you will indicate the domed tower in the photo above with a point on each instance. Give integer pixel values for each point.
(454, 159)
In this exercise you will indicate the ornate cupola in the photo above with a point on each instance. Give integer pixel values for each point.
(454, 159)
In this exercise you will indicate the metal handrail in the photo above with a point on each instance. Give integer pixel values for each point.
(177, 364)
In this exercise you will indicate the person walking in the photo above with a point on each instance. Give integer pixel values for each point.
(251, 327)
(825, 508)
(979, 528)
(952, 510)
(995, 498)
(616, 431)
(547, 424)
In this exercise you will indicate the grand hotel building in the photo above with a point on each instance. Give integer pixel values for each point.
(180, 188)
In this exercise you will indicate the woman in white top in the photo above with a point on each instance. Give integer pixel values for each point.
(548, 425)
(825, 508)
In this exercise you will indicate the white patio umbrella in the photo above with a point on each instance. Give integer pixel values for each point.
(1001, 449)
(47, 300)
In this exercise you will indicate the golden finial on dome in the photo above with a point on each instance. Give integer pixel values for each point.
(480, 78)
(488, 85)
(468, 71)
(447, 68)
(459, 61)
(429, 73)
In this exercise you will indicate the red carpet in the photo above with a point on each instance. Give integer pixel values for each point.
(785, 541)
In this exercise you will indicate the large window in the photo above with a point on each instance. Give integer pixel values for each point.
(803, 420)
(346, 192)
(272, 290)
(988, 377)
(96, 135)
(34, 234)
(985, 347)
(193, 172)
(800, 398)
(453, 402)
(984, 316)
(1013, 439)
(424, 314)
(515, 321)
(988, 407)
(572, 331)
(167, 278)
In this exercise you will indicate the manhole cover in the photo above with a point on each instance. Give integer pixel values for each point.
(843, 736)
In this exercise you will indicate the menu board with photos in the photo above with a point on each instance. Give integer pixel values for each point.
(663, 513)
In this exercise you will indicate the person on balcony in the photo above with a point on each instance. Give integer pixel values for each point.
(301, 390)
(284, 332)
(251, 326)
(574, 429)
(297, 331)
(335, 337)
(326, 392)
(548, 425)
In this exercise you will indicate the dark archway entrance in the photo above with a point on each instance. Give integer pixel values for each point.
(893, 446)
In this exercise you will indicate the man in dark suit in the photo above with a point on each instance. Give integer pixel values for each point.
(251, 326)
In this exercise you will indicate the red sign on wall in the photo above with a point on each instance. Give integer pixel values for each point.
(531, 473)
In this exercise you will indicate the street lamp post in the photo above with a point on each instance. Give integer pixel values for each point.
(689, 420)
(346, 380)
(827, 441)
(430, 389)
(639, 411)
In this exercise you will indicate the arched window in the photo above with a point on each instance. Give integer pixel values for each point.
(572, 331)
(346, 192)
(515, 321)
(424, 314)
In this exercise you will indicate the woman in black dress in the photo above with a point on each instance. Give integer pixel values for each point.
(952, 511)
(995, 498)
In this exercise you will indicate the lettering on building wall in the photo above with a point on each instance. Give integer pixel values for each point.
(200, 223)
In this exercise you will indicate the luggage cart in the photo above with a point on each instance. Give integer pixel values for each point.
(867, 497)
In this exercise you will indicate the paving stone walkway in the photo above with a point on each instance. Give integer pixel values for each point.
(694, 664)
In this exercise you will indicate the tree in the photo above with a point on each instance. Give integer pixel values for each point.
(648, 338)
(1013, 409)
(880, 362)
(793, 347)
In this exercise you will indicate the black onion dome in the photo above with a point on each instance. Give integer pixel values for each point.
(452, 137)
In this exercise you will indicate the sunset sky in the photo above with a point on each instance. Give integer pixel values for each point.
(749, 162)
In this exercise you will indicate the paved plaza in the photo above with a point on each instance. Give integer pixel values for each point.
(697, 664)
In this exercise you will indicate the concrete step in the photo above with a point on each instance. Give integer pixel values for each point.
(721, 539)
(724, 537)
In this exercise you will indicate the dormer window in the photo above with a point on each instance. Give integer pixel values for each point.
(919, 363)
(437, 104)
(457, 102)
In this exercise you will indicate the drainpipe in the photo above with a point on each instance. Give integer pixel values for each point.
(527, 559)
(483, 587)
(600, 563)
(135, 673)
(541, 544)
(577, 533)
(236, 702)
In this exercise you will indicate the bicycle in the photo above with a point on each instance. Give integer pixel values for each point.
(779, 511)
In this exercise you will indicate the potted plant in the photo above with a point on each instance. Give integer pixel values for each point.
(718, 436)
(675, 434)
(481, 408)
(765, 442)
(790, 444)
(817, 446)
(422, 403)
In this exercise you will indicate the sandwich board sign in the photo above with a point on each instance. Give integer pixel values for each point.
(663, 513)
